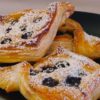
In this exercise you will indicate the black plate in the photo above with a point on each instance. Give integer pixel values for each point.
(89, 21)
(91, 24)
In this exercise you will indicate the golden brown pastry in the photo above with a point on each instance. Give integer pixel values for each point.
(87, 45)
(65, 41)
(69, 25)
(27, 35)
(80, 42)
(10, 76)
(61, 76)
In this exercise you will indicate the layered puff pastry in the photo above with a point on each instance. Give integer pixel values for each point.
(80, 41)
(27, 35)
(61, 76)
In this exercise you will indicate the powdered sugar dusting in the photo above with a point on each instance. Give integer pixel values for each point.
(83, 59)
(53, 6)
(60, 74)
(31, 22)
(74, 68)
(91, 39)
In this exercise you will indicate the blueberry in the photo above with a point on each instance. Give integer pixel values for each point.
(50, 82)
(26, 35)
(37, 20)
(81, 73)
(73, 81)
(14, 22)
(6, 40)
(32, 72)
(23, 28)
(8, 30)
(48, 69)
(62, 64)
(1, 18)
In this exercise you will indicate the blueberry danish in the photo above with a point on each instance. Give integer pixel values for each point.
(62, 76)
(27, 35)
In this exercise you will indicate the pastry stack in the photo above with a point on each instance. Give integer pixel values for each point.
(62, 66)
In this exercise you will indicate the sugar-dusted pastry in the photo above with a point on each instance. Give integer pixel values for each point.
(27, 35)
(82, 43)
(61, 76)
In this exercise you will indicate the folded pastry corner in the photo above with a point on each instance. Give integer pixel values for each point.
(86, 44)
(82, 43)
(10, 76)
(27, 35)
